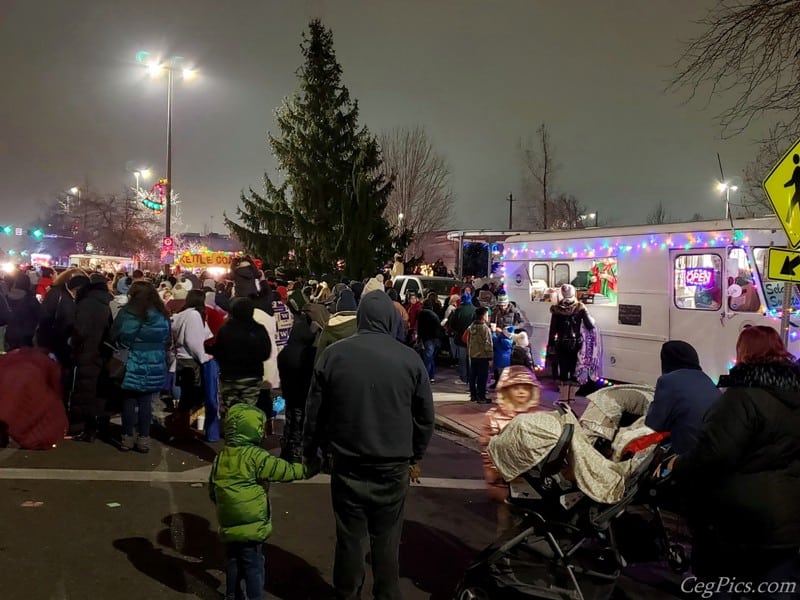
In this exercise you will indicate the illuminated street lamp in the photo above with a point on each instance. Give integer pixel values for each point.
(590, 216)
(144, 174)
(155, 67)
(724, 186)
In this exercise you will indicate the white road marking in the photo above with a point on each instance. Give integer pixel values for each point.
(198, 475)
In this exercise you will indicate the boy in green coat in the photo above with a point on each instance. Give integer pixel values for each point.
(243, 509)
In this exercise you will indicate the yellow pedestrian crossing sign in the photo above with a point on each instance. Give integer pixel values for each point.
(782, 186)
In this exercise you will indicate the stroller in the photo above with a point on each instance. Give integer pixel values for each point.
(569, 496)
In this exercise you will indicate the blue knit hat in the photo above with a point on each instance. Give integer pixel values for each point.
(466, 298)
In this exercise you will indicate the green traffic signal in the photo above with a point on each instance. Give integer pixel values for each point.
(8, 230)
(37, 233)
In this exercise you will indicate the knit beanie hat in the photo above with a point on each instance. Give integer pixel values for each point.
(502, 299)
(568, 292)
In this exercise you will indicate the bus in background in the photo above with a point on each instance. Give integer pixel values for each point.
(101, 262)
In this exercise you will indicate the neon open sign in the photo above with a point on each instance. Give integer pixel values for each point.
(700, 277)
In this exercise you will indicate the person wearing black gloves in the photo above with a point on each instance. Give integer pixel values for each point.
(371, 403)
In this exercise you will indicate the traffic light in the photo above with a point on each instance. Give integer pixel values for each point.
(8, 229)
(37, 233)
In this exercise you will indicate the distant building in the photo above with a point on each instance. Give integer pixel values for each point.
(214, 242)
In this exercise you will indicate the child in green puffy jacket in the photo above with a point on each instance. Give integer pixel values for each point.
(243, 509)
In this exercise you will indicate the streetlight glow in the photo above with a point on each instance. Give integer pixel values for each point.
(189, 73)
(73, 190)
(154, 69)
(722, 186)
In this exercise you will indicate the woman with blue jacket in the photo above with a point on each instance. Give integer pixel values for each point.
(142, 326)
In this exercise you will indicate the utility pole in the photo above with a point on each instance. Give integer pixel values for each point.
(510, 212)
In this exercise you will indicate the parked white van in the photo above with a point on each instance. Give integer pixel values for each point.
(699, 282)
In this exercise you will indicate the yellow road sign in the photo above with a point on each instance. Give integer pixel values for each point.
(782, 186)
(784, 265)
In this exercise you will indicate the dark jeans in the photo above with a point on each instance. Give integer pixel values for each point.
(479, 374)
(429, 356)
(244, 564)
(292, 440)
(567, 361)
(133, 403)
(463, 363)
(368, 502)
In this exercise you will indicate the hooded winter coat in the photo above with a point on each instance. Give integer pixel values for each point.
(370, 397)
(24, 313)
(92, 325)
(146, 370)
(743, 475)
(340, 326)
(242, 344)
(566, 319)
(461, 319)
(56, 321)
(683, 396)
(237, 475)
(503, 344)
(244, 280)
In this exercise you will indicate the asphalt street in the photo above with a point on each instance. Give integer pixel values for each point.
(84, 521)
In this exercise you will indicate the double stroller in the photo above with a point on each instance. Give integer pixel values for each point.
(570, 481)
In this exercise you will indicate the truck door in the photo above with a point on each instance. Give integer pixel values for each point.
(697, 307)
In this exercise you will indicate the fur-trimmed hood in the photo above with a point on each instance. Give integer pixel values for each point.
(782, 380)
(567, 308)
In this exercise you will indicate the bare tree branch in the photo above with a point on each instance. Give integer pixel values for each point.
(422, 192)
(546, 208)
(748, 49)
(658, 215)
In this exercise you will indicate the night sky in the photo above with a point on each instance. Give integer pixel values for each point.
(477, 75)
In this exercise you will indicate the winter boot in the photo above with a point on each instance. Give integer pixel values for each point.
(563, 392)
(143, 444)
(127, 443)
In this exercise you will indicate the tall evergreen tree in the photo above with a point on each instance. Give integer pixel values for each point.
(330, 205)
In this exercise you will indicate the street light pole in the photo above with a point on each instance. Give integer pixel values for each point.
(168, 186)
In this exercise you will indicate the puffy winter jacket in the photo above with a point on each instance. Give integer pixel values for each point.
(503, 344)
(743, 475)
(146, 370)
(237, 474)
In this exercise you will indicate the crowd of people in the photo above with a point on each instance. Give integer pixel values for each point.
(139, 343)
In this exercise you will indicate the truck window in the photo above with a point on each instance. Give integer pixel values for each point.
(741, 289)
(698, 282)
(412, 286)
(541, 272)
(561, 274)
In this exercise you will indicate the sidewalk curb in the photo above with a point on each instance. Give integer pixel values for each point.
(453, 426)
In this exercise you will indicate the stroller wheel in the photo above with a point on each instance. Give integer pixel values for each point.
(473, 593)
(676, 557)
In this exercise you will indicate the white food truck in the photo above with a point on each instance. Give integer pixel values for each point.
(699, 282)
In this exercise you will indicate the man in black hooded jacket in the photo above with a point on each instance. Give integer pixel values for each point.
(371, 401)
(683, 396)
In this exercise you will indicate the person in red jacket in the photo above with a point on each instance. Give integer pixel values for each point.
(31, 409)
(45, 281)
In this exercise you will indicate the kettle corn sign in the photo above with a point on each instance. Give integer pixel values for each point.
(206, 259)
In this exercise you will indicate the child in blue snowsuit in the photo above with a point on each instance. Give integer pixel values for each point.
(503, 344)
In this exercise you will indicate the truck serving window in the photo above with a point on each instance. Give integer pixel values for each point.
(595, 279)
(698, 281)
(741, 288)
